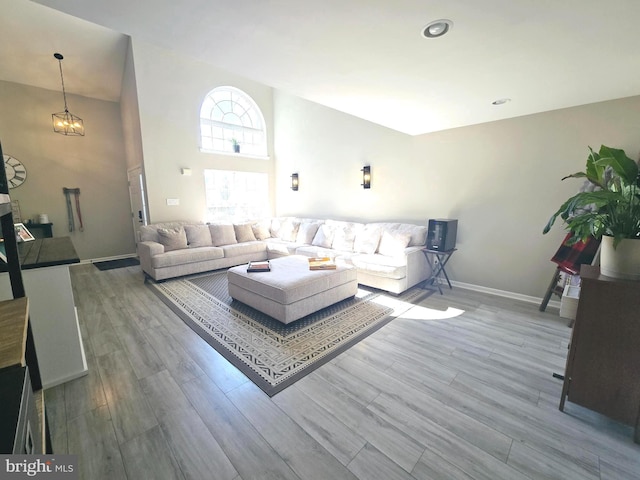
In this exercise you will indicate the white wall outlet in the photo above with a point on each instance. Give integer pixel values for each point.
(173, 201)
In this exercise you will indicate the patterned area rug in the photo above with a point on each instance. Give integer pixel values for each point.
(271, 354)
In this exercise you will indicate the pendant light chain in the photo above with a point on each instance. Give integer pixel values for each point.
(64, 93)
(66, 123)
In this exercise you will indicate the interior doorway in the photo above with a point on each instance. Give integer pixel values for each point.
(139, 214)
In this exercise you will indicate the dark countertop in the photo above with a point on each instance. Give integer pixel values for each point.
(45, 252)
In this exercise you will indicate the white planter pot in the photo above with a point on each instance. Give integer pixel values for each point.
(621, 262)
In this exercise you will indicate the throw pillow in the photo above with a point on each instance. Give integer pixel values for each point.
(288, 230)
(274, 229)
(367, 239)
(198, 235)
(261, 230)
(244, 233)
(222, 234)
(393, 244)
(344, 237)
(324, 237)
(148, 233)
(418, 233)
(306, 232)
(172, 238)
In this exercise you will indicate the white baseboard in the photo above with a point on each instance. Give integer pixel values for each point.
(505, 293)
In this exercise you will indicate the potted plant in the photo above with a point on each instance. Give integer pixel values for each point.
(610, 210)
(236, 145)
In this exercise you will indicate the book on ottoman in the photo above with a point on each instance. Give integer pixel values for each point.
(259, 267)
(321, 263)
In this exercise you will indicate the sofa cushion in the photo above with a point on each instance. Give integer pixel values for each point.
(172, 238)
(288, 230)
(186, 255)
(244, 233)
(222, 234)
(198, 236)
(418, 233)
(277, 247)
(344, 235)
(261, 230)
(237, 249)
(367, 239)
(323, 237)
(148, 233)
(385, 225)
(276, 224)
(393, 243)
(306, 232)
(316, 251)
(381, 265)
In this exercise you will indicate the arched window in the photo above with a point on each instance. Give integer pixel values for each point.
(230, 117)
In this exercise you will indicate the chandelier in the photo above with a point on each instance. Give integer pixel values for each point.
(66, 123)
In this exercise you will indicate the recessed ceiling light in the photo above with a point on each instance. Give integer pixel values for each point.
(501, 101)
(437, 28)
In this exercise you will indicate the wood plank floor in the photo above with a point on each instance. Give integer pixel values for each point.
(458, 387)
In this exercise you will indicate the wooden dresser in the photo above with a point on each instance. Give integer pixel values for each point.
(603, 366)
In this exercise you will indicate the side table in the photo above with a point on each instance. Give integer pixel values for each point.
(437, 260)
(40, 230)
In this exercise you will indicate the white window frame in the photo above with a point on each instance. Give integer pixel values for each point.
(228, 113)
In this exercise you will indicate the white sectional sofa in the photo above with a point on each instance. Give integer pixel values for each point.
(388, 256)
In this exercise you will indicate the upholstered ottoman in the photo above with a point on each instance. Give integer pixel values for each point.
(290, 290)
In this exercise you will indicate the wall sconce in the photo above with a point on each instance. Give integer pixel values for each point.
(294, 182)
(366, 176)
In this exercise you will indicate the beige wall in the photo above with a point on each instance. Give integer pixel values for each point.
(94, 163)
(130, 113)
(501, 179)
(328, 149)
(170, 92)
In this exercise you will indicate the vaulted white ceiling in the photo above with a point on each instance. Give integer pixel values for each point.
(29, 36)
(363, 57)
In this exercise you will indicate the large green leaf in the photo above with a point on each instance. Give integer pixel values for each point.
(594, 173)
(626, 168)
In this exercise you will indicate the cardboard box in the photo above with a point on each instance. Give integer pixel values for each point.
(569, 302)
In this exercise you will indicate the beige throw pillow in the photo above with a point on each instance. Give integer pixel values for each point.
(418, 233)
(367, 239)
(198, 235)
(274, 229)
(288, 230)
(172, 238)
(222, 234)
(244, 233)
(306, 232)
(261, 231)
(393, 244)
(324, 237)
(344, 237)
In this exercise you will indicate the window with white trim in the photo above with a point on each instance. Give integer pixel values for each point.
(234, 196)
(228, 116)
